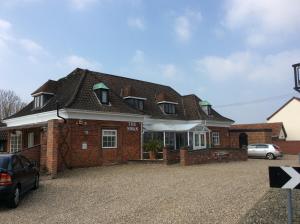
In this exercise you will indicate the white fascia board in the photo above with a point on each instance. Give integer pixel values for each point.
(154, 121)
(72, 114)
(203, 122)
(95, 115)
(41, 93)
(33, 118)
(167, 102)
(219, 123)
(134, 97)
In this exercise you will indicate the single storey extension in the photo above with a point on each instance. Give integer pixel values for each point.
(89, 119)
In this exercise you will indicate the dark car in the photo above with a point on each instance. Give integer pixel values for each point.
(17, 176)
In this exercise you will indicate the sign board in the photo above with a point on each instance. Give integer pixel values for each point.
(285, 177)
(132, 126)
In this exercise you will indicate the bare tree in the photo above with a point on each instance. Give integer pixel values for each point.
(10, 103)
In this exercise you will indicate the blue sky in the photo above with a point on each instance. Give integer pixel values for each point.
(227, 52)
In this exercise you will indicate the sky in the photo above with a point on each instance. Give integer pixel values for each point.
(236, 54)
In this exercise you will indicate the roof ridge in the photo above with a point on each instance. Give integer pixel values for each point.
(73, 97)
(123, 77)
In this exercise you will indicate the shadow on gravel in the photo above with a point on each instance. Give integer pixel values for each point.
(25, 198)
(272, 208)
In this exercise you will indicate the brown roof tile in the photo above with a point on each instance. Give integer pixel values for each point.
(276, 127)
(76, 91)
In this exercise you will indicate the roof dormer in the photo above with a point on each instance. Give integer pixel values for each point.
(130, 96)
(102, 93)
(43, 94)
(206, 107)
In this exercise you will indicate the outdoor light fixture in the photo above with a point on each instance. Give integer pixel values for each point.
(297, 76)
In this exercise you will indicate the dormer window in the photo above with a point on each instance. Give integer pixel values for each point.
(102, 93)
(206, 107)
(40, 100)
(168, 107)
(136, 102)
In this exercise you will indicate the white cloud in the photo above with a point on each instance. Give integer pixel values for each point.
(4, 25)
(75, 61)
(138, 57)
(5, 29)
(169, 70)
(10, 3)
(249, 66)
(82, 4)
(263, 22)
(32, 47)
(11, 44)
(185, 24)
(137, 23)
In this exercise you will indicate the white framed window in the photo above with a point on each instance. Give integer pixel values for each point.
(30, 142)
(215, 138)
(16, 142)
(109, 138)
(38, 101)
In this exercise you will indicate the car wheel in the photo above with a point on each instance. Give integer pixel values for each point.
(36, 182)
(270, 156)
(14, 200)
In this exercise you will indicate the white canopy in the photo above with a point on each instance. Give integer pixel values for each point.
(159, 127)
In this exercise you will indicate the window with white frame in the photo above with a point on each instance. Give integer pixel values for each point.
(215, 138)
(38, 101)
(16, 142)
(109, 138)
(30, 142)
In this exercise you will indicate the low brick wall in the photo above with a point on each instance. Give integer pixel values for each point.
(33, 154)
(171, 156)
(191, 157)
(289, 147)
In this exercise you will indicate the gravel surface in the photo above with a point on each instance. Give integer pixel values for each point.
(151, 193)
(272, 208)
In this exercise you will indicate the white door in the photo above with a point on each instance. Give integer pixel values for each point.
(199, 140)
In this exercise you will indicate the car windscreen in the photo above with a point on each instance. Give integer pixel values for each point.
(4, 162)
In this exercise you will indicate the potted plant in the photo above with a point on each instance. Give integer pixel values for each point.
(153, 146)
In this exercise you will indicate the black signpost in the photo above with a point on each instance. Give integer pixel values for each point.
(287, 178)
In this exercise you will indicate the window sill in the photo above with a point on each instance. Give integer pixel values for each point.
(109, 147)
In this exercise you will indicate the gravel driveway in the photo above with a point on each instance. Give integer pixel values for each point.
(152, 193)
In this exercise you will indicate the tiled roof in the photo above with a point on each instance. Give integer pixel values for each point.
(276, 127)
(49, 87)
(75, 91)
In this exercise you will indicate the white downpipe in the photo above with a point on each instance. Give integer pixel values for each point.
(164, 138)
(188, 138)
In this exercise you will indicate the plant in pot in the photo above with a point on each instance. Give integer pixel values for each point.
(153, 146)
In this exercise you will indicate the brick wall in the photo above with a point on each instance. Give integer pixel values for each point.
(33, 154)
(171, 156)
(253, 137)
(288, 147)
(224, 136)
(90, 132)
(192, 157)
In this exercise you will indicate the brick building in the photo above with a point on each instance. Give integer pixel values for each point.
(90, 119)
(244, 134)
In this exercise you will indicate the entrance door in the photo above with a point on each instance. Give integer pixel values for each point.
(199, 140)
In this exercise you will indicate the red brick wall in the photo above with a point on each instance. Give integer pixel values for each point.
(224, 136)
(171, 156)
(192, 157)
(90, 132)
(253, 138)
(289, 147)
(33, 154)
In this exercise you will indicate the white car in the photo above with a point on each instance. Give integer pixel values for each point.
(268, 151)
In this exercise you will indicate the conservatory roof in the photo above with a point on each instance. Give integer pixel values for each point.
(175, 127)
